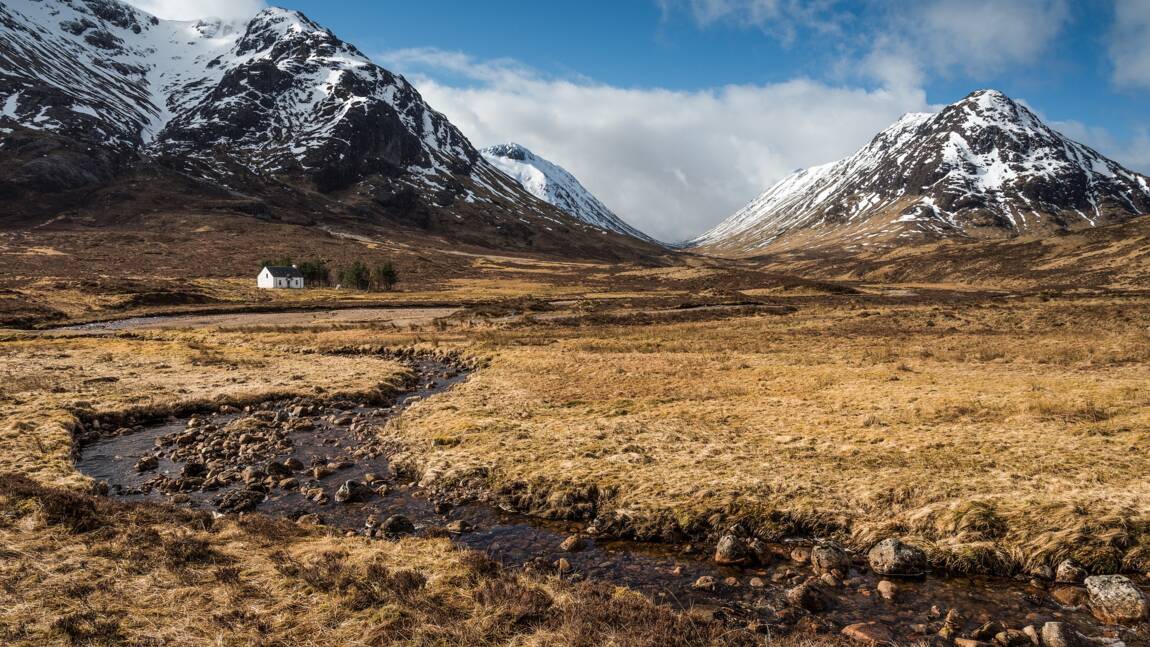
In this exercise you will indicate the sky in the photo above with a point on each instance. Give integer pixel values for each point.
(676, 113)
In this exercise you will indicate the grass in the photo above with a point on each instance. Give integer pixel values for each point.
(78, 570)
(1001, 436)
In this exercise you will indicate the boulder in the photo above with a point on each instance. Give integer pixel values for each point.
(397, 524)
(829, 558)
(869, 633)
(573, 544)
(808, 596)
(147, 464)
(1057, 634)
(892, 557)
(239, 500)
(1069, 572)
(731, 550)
(458, 527)
(1012, 638)
(1114, 599)
(352, 492)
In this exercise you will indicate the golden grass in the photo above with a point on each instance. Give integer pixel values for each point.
(45, 381)
(841, 420)
(79, 571)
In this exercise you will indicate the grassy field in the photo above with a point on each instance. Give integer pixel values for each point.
(1003, 435)
(1000, 434)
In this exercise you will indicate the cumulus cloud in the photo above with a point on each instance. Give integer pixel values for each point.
(673, 163)
(196, 9)
(1130, 43)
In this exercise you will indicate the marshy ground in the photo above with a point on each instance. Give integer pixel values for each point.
(1001, 433)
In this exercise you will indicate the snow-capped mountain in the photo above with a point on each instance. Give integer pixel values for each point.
(983, 167)
(555, 185)
(89, 88)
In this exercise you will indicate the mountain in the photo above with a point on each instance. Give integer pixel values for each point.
(984, 167)
(274, 116)
(555, 185)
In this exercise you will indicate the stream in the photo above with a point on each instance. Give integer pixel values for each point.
(223, 460)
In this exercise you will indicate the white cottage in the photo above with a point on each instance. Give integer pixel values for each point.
(277, 276)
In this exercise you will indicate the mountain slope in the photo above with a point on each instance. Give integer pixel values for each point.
(984, 167)
(276, 110)
(555, 185)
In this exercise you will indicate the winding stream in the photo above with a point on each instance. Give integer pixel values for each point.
(337, 441)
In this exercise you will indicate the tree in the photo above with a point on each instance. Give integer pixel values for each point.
(356, 276)
(315, 272)
(385, 276)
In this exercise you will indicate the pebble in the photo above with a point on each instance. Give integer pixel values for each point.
(887, 590)
(704, 583)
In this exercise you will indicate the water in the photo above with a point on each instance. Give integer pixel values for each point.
(346, 432)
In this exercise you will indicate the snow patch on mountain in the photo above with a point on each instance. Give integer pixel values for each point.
(555, 185)
(983, 166)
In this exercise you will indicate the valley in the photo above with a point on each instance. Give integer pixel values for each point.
(902, 398)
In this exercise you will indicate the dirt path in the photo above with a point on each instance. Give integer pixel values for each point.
(400, 317)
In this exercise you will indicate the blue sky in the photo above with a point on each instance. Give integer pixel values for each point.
(678, 112)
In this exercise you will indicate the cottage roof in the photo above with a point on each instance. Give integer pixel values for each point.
(284, 271)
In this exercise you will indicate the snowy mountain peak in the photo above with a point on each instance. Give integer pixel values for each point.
(555, 185)
(276, 105)
(985, 166)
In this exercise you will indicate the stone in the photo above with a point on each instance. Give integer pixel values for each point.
(869, 633)
(830, 580)
(147, 464)
(732, 582)
(288, 484)
(458, 527)
(562, 565)
(1012, 638)
(970, 642)
(1057, 634)
(1069, 572)
(829, 558)
(808, 596)
(988, 631)
(951, 624)
(1032, 634)
(239, 500)
(757, 583)
(193, 470)
(801, 554)
(353, 491)
(887, 590)
(573, 544)
(1069, 596)
(1115, 600)
(308, 520)
(294, 464)
(731, 550)
(892, 557)
(397, 524)
(704, 583)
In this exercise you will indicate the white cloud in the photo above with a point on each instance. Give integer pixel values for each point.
(672, 163)
(898, 42)
(1131, 151)
(196, 9)
(1130, 43)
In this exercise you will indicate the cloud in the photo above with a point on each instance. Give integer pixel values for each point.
(1132, 151)
(782, 18)
(673, 163)
(1130, 43)
(196, 9)
(899, 42)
